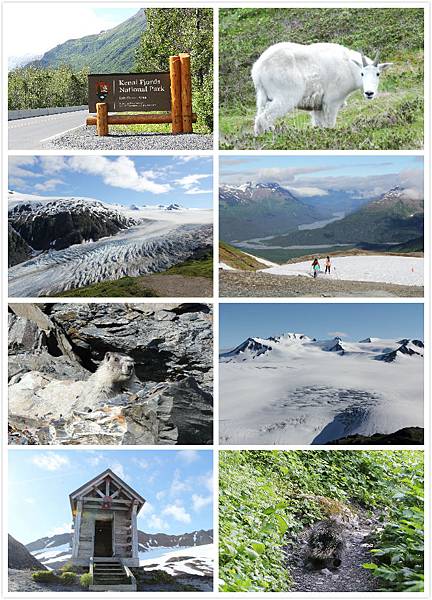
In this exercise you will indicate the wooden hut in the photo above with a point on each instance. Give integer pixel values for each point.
(105, 531)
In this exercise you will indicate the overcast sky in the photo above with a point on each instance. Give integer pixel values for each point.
(35, 27)
(186, 180)
(177, 486)
(363, 176)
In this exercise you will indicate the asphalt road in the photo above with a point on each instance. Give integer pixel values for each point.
(28, 134)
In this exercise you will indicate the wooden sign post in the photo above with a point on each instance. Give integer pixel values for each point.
(160, 91)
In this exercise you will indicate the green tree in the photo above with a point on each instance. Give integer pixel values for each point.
(173, 30)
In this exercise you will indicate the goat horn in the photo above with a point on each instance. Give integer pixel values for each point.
(364, 61)
(376, 59)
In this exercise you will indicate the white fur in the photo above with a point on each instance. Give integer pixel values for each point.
(317, 78)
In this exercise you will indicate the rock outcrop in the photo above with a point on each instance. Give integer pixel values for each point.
(54, 348)
(20, 558)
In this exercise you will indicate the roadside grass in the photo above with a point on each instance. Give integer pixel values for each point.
(394, 120)
(161, 128)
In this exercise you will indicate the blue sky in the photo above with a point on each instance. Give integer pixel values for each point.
(186, 180)
(177, 485)
(315, 175)
(72, 20)
(351, 321)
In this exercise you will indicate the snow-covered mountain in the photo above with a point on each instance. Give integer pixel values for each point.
(57, 243)
(54, 551)
(299, 390)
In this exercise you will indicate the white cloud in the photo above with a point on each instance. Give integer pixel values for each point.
(17, 164)
(118, 469)
(178, 486)
(141, 462)
(119, 172)
(146, 510)
(338, 334)
(308, 191)
(160, 495)
(54, 164)
(188, 456)
(50, 461)
(198, 502)
(48, 185)
(178, 512)
(65, 528)
(157, 523)
(190, 181)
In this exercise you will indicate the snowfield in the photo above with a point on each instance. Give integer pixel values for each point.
(296, 390)
(402, 270)
(196, 560)
(156, 238)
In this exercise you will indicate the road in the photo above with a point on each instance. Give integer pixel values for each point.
(27, 134)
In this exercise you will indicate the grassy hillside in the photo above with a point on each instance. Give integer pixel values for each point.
(106, 52)
(235, 258)
(392, 121)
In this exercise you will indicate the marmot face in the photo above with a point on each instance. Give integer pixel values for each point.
(121, 364)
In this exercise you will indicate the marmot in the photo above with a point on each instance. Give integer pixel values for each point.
(326, 544)
(113, 376)
(40, 395)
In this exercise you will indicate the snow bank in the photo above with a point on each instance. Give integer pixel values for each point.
(401, 270)
(225, 267)
(195, 560)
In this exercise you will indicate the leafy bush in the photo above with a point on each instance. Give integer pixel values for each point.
(36, 87)
(86, 580)
(170, 31)
(45, 577)
(268, 497)
(68, 577)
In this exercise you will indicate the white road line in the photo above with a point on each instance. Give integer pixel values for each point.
(53, 137)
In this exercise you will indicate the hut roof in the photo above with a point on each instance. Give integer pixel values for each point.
(90, 485)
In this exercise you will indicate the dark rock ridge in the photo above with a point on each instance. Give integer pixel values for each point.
(407, 435)
(170, 402)
(251, 345)
(58, 224)
(18, 249)
(19, 557)
(405, 349)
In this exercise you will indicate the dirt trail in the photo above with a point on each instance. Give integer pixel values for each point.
(177, 285)
(349, 577)
(247, 284)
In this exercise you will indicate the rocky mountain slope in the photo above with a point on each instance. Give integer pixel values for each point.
(296, 389)
(57, 244)
(20, 557)
(55, 550)
(395, 217)
(169, 402)
(261, 209)
(109, 51)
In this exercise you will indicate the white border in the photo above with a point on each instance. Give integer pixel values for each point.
(215, 153)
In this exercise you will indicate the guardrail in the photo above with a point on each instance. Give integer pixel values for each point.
(41, 112)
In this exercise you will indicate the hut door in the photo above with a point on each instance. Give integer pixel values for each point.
(103, 538)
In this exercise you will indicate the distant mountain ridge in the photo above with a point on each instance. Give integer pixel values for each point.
(105, 52)
(55, 550)
(260, 209)
(395, 217)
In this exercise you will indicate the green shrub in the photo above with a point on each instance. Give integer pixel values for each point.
(86, 580)
(45, 577)
(68, 577)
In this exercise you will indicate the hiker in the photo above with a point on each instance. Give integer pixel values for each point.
(327, 265)
(315, 268)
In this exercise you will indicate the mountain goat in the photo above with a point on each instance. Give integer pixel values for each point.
(317, 78)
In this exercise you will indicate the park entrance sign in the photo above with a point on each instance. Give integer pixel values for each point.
(168, 93)
(134, 91)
